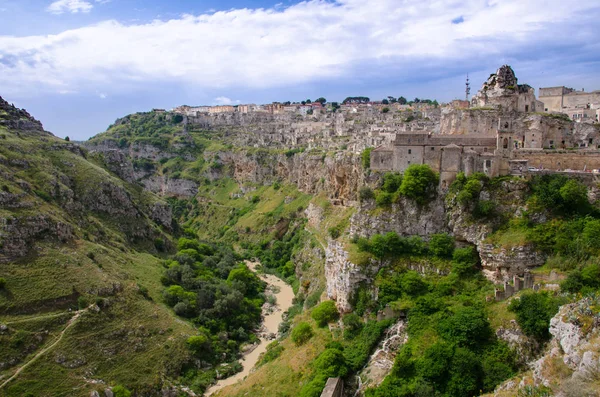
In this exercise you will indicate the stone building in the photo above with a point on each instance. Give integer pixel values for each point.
(502, 133)
(559, 99)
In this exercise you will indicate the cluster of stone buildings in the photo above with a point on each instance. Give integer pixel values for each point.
(272, 108)
(503, 130)
(580, 106)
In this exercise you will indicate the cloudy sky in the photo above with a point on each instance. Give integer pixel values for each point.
(77, 65)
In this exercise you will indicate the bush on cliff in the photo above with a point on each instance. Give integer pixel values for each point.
(301, 333)
(534, 311)
(325, 313)
(365, 194)
(418, 182)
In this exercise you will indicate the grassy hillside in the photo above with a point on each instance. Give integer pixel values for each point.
(78, 243)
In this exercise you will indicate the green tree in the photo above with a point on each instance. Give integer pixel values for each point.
(322, 101)
(352, 325)
(301, 333)
(391, 182)
(402, 100)
(246, 281)
(418, 182)
(574, 195)
(534, 311)
(441, 245)
(325, 313)
(67, 139)
(468, 327)
(198, 344)
(464, 260)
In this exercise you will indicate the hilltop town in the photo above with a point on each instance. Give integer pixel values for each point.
(504, 129)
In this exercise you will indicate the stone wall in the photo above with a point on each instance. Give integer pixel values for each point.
(560, 160)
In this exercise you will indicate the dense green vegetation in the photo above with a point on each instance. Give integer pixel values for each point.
(452, 350)
(207, 284)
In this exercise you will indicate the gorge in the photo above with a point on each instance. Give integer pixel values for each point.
(417, 280)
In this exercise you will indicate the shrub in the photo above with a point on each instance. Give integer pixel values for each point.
(335, 232)
(274, 350)
(587, 277)
(418, 182)
(352, 325)
(325, 313)
(2, 283)
(365, 193)
(67, 139)
(159, 244)
(198, 344)
(383, 199)
(121, 391)
(301, 333)
(366, 158)
(484, 209)
(276, 185)
(441, 245)
(391, 182)
(82, 302)
(534, 311)
(468, 327)
(464, 260)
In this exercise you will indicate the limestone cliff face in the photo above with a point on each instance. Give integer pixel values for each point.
(340, 176)
(405, 217)
(441, 215)
(571, 364)
(343, 276)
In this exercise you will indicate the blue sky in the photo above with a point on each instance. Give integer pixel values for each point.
(77, 65)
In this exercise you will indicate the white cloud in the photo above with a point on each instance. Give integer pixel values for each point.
(102, 95)
(311, 41)
(223, 100)
(72, 6)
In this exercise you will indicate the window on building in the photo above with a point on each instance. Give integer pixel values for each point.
(527, 108)
(488, 163)
(505, 125)
(432, 148)
(409, 151)
(408, 161)
(552, 142)
(505, 143)
(591, 140)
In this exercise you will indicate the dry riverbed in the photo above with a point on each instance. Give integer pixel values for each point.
(272, 317)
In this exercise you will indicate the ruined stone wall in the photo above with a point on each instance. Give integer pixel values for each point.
(560, 160)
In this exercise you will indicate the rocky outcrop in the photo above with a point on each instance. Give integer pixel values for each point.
(18, 119)
(118, 163)
(339, 175)
(18, 233)
(343, 276)
(571, 365)
(501, 264)
(166, 186)
(405, 217)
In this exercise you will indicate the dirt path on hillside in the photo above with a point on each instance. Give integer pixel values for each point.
(70, 323)
(284, 295)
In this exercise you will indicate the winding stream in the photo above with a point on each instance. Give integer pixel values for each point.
(284, 295)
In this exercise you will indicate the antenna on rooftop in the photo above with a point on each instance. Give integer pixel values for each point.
(468, 88)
